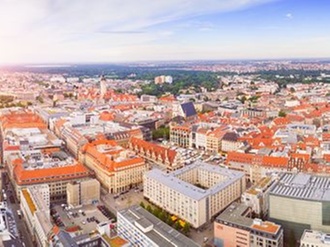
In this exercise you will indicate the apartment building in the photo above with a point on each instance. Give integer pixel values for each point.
(180, 135)
(142, 229)
(116, 168)
(194, 193)
(162, 156)
(235, 227)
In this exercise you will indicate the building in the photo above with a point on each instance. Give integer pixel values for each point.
(35, 204)
(52, 167)
(256, 197)
(143, 229)
(116, 168)
(180, 135)
(83, 192)
(230, 142)
(314, 238)
(195, 193)
(296, 194)
(186, 110)
(103, 87)
(235, 227)
(162, 156)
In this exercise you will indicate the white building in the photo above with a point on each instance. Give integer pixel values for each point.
(143, 229)
(194, 193)
(35, 203)
(314, 238)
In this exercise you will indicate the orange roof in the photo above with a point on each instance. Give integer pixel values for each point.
(25, 177)
(266, 226)
(154, 148)
(29, 201)
(22, 120)
(107, 116)
(104, 160)
(281, 121)
(167, 98)
(326, 136)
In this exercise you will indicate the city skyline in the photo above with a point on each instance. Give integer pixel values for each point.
(109, 31)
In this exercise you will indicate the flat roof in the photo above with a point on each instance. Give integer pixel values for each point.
(236, 214)
(303, 186)
(162, 234)
(315, 237)
(172, 181)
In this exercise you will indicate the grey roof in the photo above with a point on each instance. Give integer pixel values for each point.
(234, 214)
(189, 109)
(171, 180)
(303, 186)
(66, 239)
(162, 234)
(230, 136)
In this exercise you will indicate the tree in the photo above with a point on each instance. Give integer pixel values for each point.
(169, 220)
(142, 205)
(282, 113)
(177, 225)
(149, 209)
(186, 228)
(156, 212)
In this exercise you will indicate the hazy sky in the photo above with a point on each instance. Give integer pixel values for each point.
(64, 31)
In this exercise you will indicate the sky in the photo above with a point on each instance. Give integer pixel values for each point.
(98, 31)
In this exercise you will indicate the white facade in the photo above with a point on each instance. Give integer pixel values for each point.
(181, 192)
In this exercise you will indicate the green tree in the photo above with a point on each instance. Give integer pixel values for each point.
(186, 228)
(177, 225)
(142, 205)
(282, 113)
(156, 212)
(169, 220)
(149, 209)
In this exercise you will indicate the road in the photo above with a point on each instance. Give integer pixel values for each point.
(13, 205)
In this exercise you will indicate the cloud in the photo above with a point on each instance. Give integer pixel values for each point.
(50, 29)
(289, 16)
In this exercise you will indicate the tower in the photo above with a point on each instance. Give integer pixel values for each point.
(103, 87)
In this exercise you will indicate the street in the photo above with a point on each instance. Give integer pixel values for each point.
(13, 205)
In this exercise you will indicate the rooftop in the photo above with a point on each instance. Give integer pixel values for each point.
(315, 237)
(239, 215)
(171, 179)
(161, 233)
(303, 186)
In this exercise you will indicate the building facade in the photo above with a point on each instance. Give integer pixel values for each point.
(296, 194)
(116, 168)
(235, 227)
(194, 193)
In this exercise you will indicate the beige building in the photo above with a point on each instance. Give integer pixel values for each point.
(35, 202)
(84, 192)
(194, 193)
(162, 156)
(312, 238)
(256, 197)
(116, 168)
